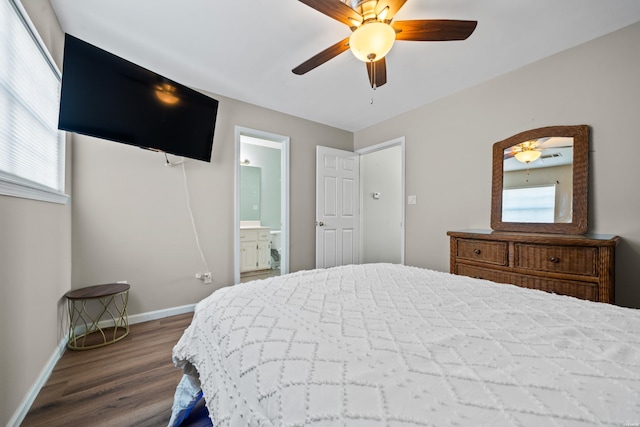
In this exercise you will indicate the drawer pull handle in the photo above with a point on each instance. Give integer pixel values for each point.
(477, 251)
(477, 277)
(554, 259)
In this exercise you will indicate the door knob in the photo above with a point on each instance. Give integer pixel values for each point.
(320, 224)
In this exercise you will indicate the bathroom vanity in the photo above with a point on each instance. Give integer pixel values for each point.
(255, 248)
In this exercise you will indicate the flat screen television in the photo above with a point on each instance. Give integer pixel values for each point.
(109, 97)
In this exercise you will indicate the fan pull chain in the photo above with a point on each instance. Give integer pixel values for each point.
(373, 80)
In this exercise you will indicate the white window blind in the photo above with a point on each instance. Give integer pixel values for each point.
(31, 146)
(529, 204)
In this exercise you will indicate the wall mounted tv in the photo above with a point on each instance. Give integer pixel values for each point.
(109, 97)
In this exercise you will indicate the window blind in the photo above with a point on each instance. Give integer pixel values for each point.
(31, 146)
(529, 204)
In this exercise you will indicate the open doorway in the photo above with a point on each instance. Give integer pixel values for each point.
(261, 204)
(382, 195)
(360, 204)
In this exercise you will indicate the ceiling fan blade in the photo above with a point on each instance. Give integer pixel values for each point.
(433, 29)
(393, 5)
(322, 57)
(337, 10)
(377, 73)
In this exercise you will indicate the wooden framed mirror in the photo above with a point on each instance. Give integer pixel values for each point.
(540, 181)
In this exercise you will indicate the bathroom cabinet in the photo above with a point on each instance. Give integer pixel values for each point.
(255, 249)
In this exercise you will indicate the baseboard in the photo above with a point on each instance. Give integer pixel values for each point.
(30, 397)
(160, 314)
(41, 380)
(142, 317)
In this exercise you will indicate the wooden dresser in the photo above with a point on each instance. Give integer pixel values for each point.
(582, 266)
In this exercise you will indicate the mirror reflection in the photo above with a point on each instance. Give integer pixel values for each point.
(543, 174)
(538, 181)
(250, 190)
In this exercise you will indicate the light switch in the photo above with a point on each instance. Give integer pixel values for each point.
(411, 200)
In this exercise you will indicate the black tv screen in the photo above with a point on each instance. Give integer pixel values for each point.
(109, 97)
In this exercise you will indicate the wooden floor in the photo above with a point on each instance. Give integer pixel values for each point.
(258, 275)
(129, 383)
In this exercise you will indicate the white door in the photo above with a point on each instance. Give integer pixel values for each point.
(337, 207)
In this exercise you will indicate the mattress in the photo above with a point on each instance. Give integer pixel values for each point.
(391, 345)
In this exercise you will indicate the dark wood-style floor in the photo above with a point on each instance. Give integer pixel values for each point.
(258, 275)
(129, 383)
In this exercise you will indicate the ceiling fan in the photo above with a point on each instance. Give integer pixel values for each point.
(530, 151)
(373, 33)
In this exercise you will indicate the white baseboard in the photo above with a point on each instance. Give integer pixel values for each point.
(30, 397)
(41, 380)
(159, 314)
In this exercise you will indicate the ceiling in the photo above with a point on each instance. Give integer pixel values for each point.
(556, 151)
(246, 49)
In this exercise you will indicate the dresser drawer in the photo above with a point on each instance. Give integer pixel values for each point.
(581, 266)
(483, 273)
(483, 251)
(557, 259)
(582, 290)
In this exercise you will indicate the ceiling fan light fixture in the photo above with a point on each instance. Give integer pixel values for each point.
(528, 155)
(372, 41)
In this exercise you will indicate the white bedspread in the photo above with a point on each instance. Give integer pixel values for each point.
(388, 345)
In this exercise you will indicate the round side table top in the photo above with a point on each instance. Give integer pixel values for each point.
(97, 291)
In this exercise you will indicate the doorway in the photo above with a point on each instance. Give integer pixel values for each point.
(360, 208)
(261, 204)
(382, 196)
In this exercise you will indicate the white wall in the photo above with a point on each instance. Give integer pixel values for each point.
(35, 268)
(448, 147)
(131, 220)
(381, 171)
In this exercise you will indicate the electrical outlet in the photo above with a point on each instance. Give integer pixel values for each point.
(205, 277)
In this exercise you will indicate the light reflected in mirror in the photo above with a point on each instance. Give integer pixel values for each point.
(538, 181)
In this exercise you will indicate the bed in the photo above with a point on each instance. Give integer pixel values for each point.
(391, 345)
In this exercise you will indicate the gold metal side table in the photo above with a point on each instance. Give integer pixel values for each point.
(96, 324)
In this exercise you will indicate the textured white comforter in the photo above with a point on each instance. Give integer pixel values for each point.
(388, 345)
